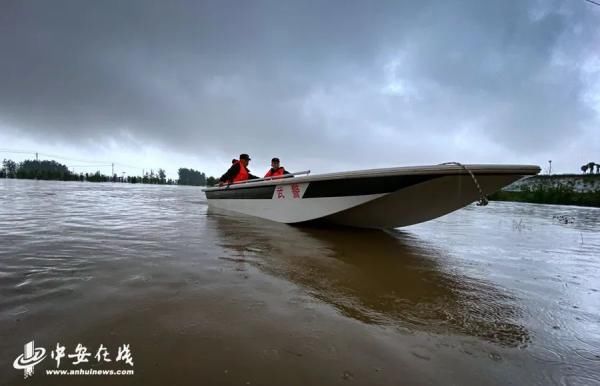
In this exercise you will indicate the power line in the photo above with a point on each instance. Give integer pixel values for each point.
(16, 152)
(89, 166)
(90, 163)
(593, 2)
(51, 155)
(72, 159)
(128, 166)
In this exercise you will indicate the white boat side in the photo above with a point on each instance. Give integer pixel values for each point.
(376, 198)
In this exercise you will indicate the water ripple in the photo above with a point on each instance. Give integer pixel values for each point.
(505, 283)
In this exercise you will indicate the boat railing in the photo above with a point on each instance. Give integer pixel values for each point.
(271, 178)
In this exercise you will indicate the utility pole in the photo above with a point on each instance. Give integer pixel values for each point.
(36, 156)
(113, 170)
(550, 167)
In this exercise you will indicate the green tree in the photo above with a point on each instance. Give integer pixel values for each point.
(161, 176)
(191, 177)
(10, 168)
(45, 170)
(590, 167)
(98, 177)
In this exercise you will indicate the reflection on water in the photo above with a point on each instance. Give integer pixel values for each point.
(508, 293)
(388, 278)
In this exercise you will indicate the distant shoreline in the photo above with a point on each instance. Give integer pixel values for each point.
(561, 189)
(100, 182)
(51, 170)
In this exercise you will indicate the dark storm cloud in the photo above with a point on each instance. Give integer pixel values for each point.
(321, 79)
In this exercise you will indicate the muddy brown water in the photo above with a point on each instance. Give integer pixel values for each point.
(503, 294)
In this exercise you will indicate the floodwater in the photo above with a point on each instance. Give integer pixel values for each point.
(496, 295)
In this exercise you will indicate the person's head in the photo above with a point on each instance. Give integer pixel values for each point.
(233, 161)
(244, 159)
(275, 163)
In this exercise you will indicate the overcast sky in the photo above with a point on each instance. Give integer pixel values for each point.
(324, 85)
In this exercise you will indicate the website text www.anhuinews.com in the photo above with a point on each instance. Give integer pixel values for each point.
(89, 372)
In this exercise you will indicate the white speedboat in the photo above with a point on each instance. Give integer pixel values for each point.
(376, 198)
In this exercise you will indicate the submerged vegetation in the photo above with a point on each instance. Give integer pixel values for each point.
(52, 170)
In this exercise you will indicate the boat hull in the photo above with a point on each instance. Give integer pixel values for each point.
(419, 203)
(382, 198)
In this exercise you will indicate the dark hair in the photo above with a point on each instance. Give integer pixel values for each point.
(233, 161)
(275, 159)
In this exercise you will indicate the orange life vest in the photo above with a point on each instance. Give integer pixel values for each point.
(276, 173)
(242, 174)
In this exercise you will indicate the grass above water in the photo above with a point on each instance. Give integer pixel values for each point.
(559, 194)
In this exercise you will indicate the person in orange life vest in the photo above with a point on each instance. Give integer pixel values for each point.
(237, 172)
(276, 171)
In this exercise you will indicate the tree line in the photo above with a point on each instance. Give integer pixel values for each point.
(590, 166)
(195, 178)
(52, 170)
